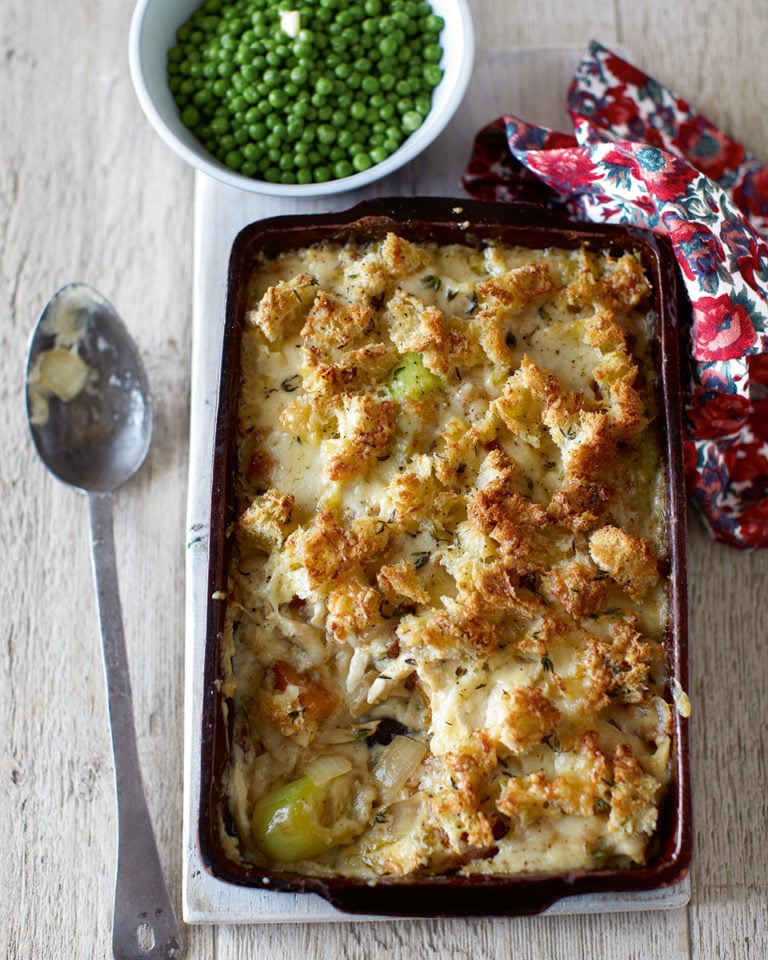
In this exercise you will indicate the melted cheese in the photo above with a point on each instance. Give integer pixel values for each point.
(452, 527)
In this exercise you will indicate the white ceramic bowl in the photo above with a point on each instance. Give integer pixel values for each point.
(153, 33)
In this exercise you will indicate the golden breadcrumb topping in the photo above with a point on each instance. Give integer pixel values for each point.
(447, 598)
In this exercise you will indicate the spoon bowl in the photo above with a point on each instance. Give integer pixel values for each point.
(90, 416)
(98, 438)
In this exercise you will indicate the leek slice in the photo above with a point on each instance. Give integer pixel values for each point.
(288, 822)
(397, 763)
(411, 380)
(327, 767)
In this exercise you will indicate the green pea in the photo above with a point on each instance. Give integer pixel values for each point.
(387, 47)
(234, 159)
(378, 154)
(412, 120)
(423, 105)
(432, 74)
(300, 109)
(345, 139)
(190, 117)
(362, 161)
(343, 168)
(277, 98)
(294, 129)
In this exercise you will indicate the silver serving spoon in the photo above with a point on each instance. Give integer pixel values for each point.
(90, 415)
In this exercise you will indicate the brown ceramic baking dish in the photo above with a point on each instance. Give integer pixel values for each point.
(446, 221)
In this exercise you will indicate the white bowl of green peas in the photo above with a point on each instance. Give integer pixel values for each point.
(300, 98)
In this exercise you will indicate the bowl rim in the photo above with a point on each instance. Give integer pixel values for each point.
(200, 160)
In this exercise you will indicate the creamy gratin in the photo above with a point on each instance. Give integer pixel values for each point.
(444, 641)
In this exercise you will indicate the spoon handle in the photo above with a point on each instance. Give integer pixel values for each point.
(144, 925)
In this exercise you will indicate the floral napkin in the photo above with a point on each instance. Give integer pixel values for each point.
(643, 156)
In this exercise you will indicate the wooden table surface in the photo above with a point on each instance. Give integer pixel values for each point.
(88, 191)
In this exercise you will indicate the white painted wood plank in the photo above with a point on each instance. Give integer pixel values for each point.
(612, 937)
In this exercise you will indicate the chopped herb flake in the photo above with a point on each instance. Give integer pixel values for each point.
(291, 383)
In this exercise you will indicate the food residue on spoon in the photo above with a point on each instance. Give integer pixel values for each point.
(60, 371)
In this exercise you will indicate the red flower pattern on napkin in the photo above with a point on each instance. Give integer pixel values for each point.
(642, 155)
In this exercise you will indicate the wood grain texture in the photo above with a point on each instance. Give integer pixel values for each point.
(619, 937)
(711, 54)
(715, 58)
(87, 191)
